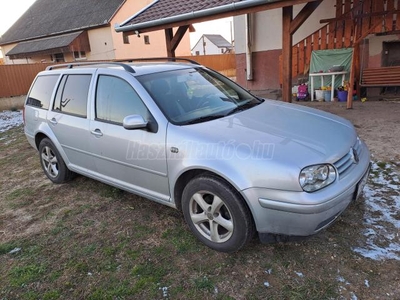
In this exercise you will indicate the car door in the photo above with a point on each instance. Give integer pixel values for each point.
(68, 119)
(132, 159)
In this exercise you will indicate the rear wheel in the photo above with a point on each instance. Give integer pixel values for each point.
(217, 214)
(52, 163)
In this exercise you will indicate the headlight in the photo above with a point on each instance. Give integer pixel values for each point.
(316, 177)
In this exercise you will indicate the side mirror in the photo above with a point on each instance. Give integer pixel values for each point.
(134, 122)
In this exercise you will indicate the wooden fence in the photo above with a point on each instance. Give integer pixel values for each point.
(15, 80)
(223, 63)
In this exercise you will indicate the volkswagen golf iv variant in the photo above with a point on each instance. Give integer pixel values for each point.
(187, 137)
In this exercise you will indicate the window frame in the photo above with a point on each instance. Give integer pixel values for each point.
(150, 116)
(55, 59)
(61, 85)
(81, 55)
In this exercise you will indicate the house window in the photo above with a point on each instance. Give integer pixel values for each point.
(147, 40)
(222, 51)
(79, 55)
(197, 52)
(125, 38)
(58, 57)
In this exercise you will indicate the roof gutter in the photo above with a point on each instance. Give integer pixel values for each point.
(192, 15)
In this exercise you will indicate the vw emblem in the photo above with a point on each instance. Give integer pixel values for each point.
(354, 155)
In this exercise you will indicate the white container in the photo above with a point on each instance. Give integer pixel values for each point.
(319, 95)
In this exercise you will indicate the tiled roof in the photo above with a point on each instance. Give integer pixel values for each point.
(218, 40)
(59, 41)
(167, 8)
(50, 17)
(164, 13)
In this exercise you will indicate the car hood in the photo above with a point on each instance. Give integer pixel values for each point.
(297, 133)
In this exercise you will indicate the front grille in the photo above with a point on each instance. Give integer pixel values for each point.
(343, 165)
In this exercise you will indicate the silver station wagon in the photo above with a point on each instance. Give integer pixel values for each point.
(188, 137)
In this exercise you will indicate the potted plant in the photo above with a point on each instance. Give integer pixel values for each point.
(342, 92)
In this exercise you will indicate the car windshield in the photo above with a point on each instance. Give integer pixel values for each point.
(196, 95)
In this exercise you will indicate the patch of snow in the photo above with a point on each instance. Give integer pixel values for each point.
(366, 283)
(299, 274)
(164, 290)
(353, 296)
(341, 279)
(266, 284)
(10, 119)
(15, 250)
(381, 218)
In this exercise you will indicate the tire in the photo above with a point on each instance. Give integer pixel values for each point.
(210, 203)
(52, 163)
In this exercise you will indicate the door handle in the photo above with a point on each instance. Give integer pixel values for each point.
(53, 121)
(97, 132)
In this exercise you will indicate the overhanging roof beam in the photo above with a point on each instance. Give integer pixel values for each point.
(303, 15)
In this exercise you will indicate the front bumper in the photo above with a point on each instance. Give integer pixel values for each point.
(291, 213)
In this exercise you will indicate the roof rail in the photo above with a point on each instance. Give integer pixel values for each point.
(127, 68)
(158, 58)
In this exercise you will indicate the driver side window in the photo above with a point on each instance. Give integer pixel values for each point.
(116, 99)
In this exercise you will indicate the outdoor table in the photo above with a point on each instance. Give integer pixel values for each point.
(333, 74)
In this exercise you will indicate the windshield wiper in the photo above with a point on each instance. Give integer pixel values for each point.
(205, 118)
(243, 107)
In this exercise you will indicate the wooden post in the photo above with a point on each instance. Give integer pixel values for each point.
(351, 81)
(172, 41)
(168, 39)
(287, 38)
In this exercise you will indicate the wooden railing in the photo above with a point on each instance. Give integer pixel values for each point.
(380, 77)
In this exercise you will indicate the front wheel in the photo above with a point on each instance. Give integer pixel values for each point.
(52, 163)
(217, 214)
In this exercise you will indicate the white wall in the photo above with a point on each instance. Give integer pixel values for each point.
(101, 44)
(210, 47)
(268, 27)
(6, 48)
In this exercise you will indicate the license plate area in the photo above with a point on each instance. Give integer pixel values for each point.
(361, 184)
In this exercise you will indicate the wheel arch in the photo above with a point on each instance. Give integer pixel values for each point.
(188, 175)
(38, 138)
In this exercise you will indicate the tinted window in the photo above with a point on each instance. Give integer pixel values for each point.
(40, 94)
(72, 94)
(191, 96)
(116, 99)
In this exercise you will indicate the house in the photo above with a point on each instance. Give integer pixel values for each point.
(212, 44)
(76, 30)
(275, 39)
(335, 24)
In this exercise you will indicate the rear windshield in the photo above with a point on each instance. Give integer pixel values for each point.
(40, 95)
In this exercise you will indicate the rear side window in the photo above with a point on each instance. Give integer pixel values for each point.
(40, 95)
(72, 94)
(116, 99)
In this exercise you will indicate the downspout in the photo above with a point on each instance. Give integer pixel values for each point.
(249, 46)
